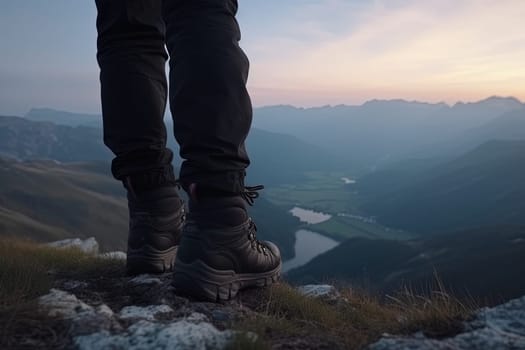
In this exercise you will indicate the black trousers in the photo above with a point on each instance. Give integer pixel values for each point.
(209, 103)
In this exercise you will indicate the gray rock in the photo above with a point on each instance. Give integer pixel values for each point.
(145, 279)
(104, 310)
(87, 323)
(500, 327)
(196, 317)
(62, 304)
(150, 312)
(117, 255)
(143, 335)
(88, 245)
(220, 316)
(69, 285)
(318, 290)
(84, 318)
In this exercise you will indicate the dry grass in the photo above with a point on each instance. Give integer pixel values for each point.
(284, 317)
(28, 270)
(356, 319)
(247, 341)
(24, 326)
(437, 313)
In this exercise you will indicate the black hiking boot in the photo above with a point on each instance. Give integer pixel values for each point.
(219, 252)
(156, 217)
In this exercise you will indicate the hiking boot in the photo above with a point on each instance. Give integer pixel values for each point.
(156, 217)
(219, 252)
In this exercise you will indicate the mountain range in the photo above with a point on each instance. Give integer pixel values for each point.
(359, 138)
(276, 158)
(380, 132)
(21, 138)
(64, 117)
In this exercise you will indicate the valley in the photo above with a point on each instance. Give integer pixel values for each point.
(349, 194)
(327, 193)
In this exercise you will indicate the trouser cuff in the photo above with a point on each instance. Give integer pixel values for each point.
(144, 169)
(215, 184)
(149, 180)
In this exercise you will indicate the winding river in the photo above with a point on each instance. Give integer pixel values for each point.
(308, 244)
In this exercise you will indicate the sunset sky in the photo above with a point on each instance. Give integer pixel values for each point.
(305, 52)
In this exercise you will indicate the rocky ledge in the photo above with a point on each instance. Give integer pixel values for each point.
(135, 327)
(144, 313)
(105, 309)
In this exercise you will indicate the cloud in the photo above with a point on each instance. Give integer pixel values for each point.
(444, 49)
(305, 52)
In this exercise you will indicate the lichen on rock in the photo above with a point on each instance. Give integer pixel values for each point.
(149, 312)
(58, 303)
(134, 327)
(182, 334)
(500, 327)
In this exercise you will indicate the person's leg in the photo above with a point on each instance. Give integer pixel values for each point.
(219, 253)
(132, 57)
(210, 105)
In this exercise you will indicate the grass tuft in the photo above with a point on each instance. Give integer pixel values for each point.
(356, 318)
(27, 269)
(247, 341)
(436, 313)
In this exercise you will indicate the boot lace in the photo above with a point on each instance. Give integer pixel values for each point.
(251, 193)
(252, 237)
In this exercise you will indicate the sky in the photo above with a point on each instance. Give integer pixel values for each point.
(302, 52)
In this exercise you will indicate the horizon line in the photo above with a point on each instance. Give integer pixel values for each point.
(450, 105)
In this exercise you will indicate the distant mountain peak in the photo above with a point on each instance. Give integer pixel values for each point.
(64, 117)
(507, 101)
(41, 110)
(400, 102)
(501, 98)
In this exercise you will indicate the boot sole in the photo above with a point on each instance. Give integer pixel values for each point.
(150, 260)
(203, 282)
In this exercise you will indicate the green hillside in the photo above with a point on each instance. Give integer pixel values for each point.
(483, 187)
(48, 200)
(484, 262)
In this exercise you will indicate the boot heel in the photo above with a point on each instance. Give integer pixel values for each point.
(150, 260)
(200, 281)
